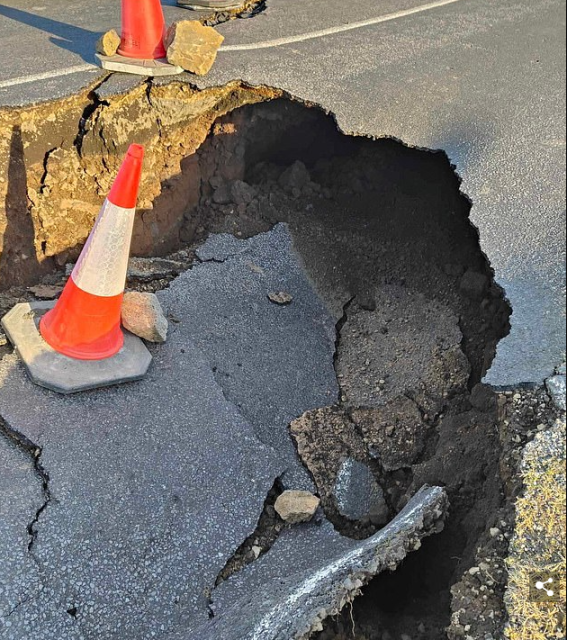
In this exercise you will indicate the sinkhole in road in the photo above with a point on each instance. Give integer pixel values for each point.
(384, 233)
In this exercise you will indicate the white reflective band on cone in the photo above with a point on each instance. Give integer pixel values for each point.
(103, 265)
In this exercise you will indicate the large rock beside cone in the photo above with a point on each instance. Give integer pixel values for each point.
(143, 316)
(108, 44)
(192, 46)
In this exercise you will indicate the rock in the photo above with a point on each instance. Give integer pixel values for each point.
(242, 193)
(358, 495)
(192, 46)
(143, 316)
(474, 284)
(222, 194)
(108, 44)
(45, 292)
(483, 398)
(558, 391)
(295, 177)
(280, 297)
(3, 340)
(296, 507)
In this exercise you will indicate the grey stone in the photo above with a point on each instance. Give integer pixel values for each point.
(558, 391)
(143, 316)
(222, 194)
(296, 507)
(358, 494)
(148, 68)
(295, 177)
(273, 362)
(242, 193)
(153, 487)
(59, 373)
(310, 574)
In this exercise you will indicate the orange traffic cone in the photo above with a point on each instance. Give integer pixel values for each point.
(143, 30)
(85, 323)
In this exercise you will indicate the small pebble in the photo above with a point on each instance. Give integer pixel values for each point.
(280, 297)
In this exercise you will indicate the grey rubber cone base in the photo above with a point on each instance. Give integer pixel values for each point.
(57, 372)
(152, 68)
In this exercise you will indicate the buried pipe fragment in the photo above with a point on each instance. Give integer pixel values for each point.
(312, 573)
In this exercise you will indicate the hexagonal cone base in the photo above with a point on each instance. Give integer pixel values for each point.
(52, 370)
(153, 68)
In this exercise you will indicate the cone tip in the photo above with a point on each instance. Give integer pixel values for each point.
(136, 151)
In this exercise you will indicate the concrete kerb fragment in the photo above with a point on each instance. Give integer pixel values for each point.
(59, 373)
(146, 68)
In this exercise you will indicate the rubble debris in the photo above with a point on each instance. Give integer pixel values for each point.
(395, 433)
(108, 43)
(281, 297)
(358, 495)
(312, 573)
(192, 46)
(147, 269)
(296, 507)
(143, 316)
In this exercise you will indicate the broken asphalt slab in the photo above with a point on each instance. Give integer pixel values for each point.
(274, 362)
(311, 573)
(153, 486)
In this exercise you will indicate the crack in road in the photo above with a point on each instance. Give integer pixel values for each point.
(35, 452)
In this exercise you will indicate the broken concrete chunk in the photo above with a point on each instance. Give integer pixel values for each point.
(358, 495)
(295, 177)
(108, 44)
(295, 507)
(474, 284)
(143, 316)
(192, 46)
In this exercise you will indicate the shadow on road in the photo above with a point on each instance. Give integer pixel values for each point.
(19, 254)
(75, 39)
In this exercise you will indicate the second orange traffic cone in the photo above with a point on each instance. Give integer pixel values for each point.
(85, 323)
(143, 30)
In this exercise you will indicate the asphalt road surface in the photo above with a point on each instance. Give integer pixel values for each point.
(483, 81)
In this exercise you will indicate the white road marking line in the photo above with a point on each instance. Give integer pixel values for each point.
(48, 75)
(268, 44)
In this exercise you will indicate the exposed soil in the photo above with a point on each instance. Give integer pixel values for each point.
(385, 235)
